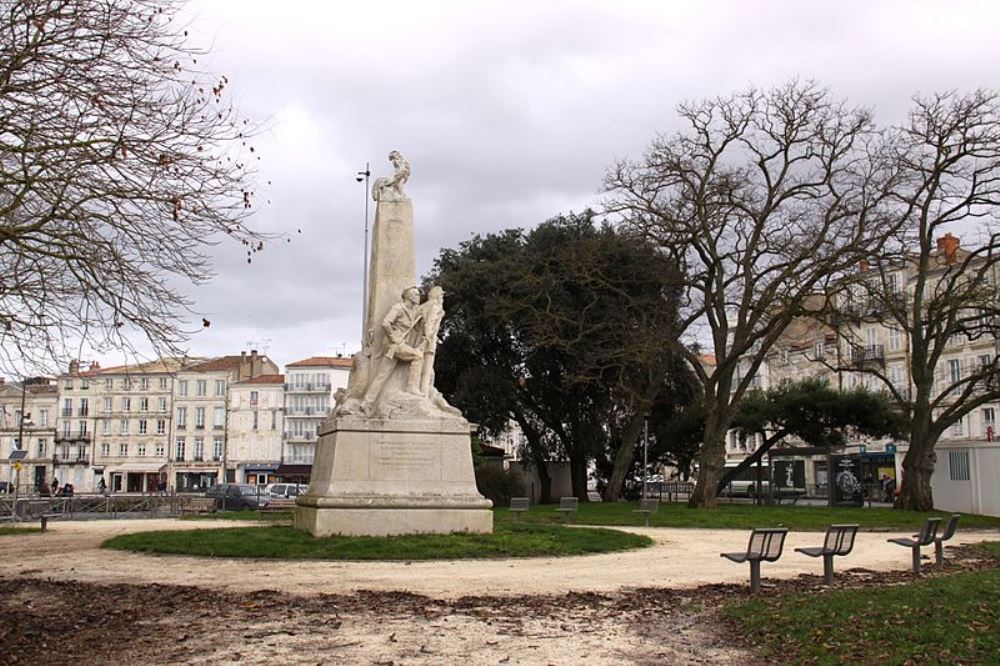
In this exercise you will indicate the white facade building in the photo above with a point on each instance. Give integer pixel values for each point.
(255, 426)
(309, 397)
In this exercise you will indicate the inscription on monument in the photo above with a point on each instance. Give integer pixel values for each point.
(401, 460)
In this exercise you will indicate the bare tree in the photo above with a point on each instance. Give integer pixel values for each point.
(764, 199)
(120, 162)
(937, 302)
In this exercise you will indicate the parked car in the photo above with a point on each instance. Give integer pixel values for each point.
(237, 496)
(286, 490)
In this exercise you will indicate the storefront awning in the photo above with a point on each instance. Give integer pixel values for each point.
(261, 467)
(196, 470)
(148, 468)
(294, 470)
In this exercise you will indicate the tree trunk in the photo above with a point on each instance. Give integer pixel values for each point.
(578, 476)
(711, 461)
(623, 459)
(745, 464)
(918, 465)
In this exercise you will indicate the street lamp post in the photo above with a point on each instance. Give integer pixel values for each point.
(364, 175)
(645, 453)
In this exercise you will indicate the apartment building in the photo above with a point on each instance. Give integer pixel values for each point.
(132, 424)
(199, 457)
(865, 339)
(255, 426)
(28, 432)
(309, 389)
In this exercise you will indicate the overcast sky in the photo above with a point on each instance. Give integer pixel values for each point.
(509, 112)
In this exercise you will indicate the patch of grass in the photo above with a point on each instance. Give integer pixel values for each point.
(7, 531)
(744, 516)
(245, 514)
(282, 542)
(949, 619)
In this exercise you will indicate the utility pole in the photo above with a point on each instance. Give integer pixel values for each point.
(365, 176)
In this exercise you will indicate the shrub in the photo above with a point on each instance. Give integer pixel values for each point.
(498, 484)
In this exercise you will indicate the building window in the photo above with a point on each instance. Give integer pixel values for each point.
(163, 383)
(143, 404)
(160, 448)
(109, 384)
(123, 449)
(255, 419)
(81, 427)
(67, 427)
(180, 449)
(144, 384)
(126, 404)
(142, 426)
(105, 449)
(274, 419)
(201, 387)
(958, 463)
(69, 384)
(199, 418)
(107, 405)
(955, 370)
(163, 404)
(182, 418)
(68, 407)
(127, 384)
(161, 426)
(43, 418)
(989, 423)
(64, 450)
(958, 428)
(182, 387)
(124, 427)
(140, 449)
(219, 418)
(199, 448)
(217, 448)
(220, 387)
(84, 407)
(41, 448)
(106, 427)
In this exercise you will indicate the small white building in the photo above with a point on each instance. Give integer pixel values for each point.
(310, 385)
(967, 476)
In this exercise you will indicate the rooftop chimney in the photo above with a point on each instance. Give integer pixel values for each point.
(94, 365)
(948, 244)
(74, 367)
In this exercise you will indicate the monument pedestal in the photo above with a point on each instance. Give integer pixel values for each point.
(379, 477)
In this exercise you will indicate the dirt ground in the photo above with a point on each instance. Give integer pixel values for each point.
(64, 600)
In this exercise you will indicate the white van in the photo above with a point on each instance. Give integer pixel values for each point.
(286, 490)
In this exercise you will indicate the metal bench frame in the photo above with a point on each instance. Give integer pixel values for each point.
(766, 544)
(925, 538)
(839, 540)
(647, 507)
(949, 532)
(519, 505)
(567, 506)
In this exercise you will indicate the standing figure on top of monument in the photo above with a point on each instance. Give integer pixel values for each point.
(405, 343)
(390, 188)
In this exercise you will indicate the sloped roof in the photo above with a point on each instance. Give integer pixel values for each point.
(167, 365)
(265, 379)
(226, 363)
(322, 362)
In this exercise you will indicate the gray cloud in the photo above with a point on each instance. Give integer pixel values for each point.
(509, 113)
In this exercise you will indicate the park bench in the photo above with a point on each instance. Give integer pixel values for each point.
(646, 507)
(949, 532)
(765, 545)
(839, 540)
(567, 506)
(783, 495)
(519, 505)
(925, 538)
(44, 519)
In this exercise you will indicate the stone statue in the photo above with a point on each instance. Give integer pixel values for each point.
(432, 312)
(405, 344)
(390, 188)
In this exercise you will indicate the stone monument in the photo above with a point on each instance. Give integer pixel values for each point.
(394, 457)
